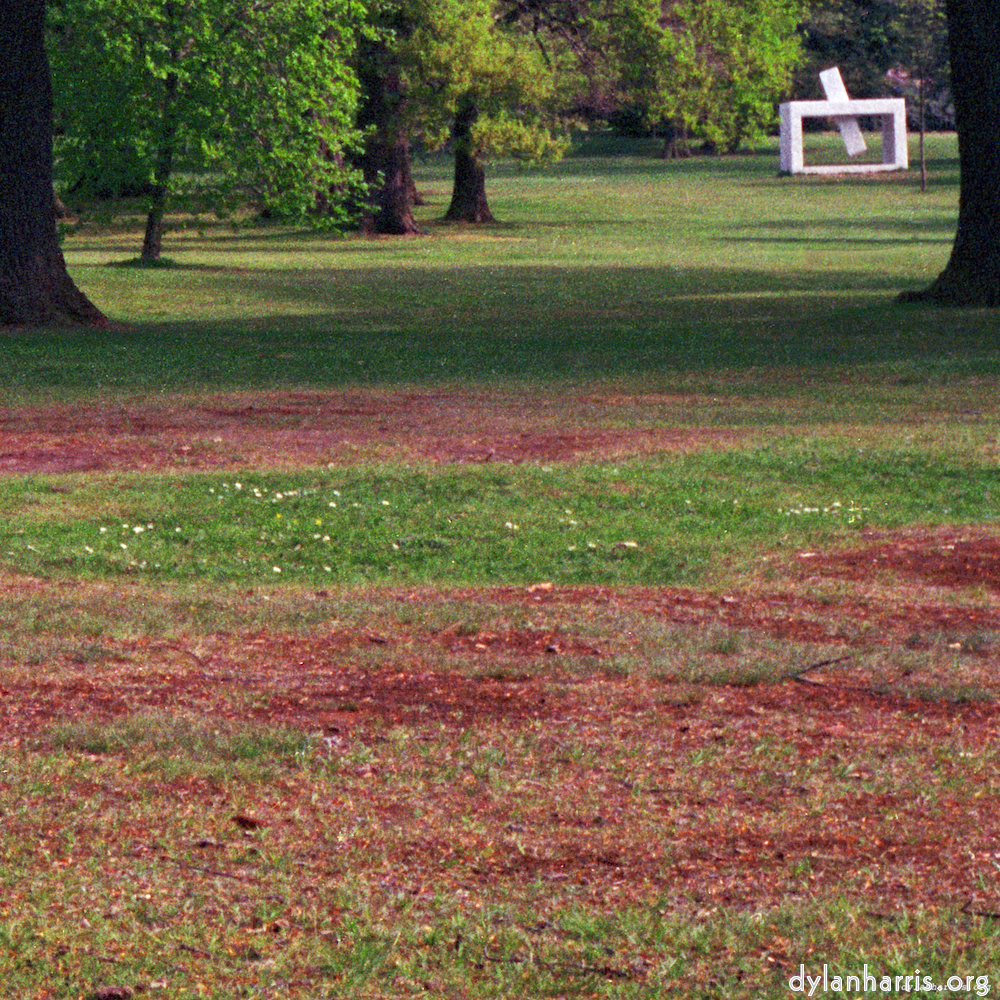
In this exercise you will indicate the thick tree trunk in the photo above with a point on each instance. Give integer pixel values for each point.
(152, 240)
(468, 197)
(35, 289)
(387, 170)
(386, 160)
(972, 276)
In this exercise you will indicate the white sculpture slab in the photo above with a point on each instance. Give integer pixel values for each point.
(890, 111)
(850, 131)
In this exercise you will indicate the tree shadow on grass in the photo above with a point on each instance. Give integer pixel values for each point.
(375, 326)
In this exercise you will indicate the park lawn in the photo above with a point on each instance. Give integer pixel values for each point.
(600, 603)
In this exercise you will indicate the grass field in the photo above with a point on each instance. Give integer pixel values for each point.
(601, 603)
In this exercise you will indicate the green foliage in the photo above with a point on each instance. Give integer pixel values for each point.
(856, 36)
(725, 65)
(869, 39)
(198, 104)
(459, 57)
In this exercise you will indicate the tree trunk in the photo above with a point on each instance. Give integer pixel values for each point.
(972, 276)
(152, 243)
(468, 197)
(35, 288)
(386, 160)
(152, 240)
(387, 170)
(675, 145)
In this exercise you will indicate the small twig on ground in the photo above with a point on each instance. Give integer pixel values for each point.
(815, 666)
(989, 914)
(210, 871)
(196, 951)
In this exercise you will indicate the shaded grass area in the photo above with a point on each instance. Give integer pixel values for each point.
(601, 333)
(685, 519)
(613, 264)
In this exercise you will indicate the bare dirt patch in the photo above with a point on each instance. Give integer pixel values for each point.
(641, 786)
(287, 430)
(944, 558)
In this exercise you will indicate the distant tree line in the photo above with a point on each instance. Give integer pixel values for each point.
(311, 108)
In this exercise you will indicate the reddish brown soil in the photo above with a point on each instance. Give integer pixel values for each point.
(917, 590)
(306, 429)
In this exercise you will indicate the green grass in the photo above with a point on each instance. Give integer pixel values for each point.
(158, 888)
(610, 265)
(659, 521)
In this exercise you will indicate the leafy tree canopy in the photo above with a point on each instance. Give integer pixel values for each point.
(725, 65)
(708, 69)
(880, 46)
(196, 100)
(458, 57)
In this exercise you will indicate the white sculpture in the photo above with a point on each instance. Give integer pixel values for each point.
(844, 111)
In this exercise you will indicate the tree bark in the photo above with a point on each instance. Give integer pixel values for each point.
(972, 275)
(387, 170)
(152, 243)
(35, 288)
(468, 197)
(386, 159)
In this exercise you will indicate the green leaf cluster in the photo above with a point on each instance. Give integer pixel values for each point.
(460, 56)
(725, 64)
(882, 47)
(195, 102)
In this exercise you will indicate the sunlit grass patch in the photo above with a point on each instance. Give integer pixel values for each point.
(669, 520)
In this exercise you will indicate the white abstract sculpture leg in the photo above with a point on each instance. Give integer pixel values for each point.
(850, 131)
